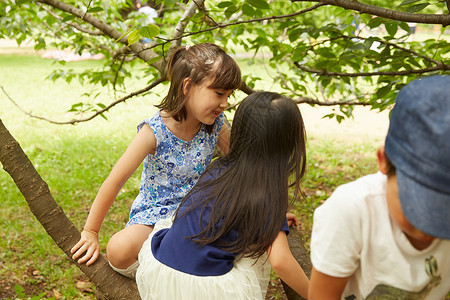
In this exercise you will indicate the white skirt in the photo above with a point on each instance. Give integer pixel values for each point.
(247, 280)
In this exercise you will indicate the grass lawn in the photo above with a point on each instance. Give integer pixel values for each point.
(74, 161)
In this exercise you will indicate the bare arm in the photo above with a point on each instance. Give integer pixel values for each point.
(325, 287)
(143, 144)
(286, 266)
(224, 139)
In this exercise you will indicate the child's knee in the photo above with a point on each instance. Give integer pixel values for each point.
(118, 251)
(123, 247)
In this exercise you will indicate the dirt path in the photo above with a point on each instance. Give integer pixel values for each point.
(365, 126)
(11, 47)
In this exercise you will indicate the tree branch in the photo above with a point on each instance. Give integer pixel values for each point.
(121, 51)
(219, 26)
(303, 100)
(117, 72)
(207, 18)
(306, 100)
(182, 23)
(74, 25)
(384, 12)
(97, 113)
(252, 21)
(440, 67)
(300, 253)
(394, 45)
(138, 48)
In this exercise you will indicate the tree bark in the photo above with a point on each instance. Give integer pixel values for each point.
(109, 283)
(299, 252)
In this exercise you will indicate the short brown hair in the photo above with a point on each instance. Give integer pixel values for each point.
(390, 167)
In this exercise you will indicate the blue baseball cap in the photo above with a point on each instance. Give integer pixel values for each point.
(418, 145)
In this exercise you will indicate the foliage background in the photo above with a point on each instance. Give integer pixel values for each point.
(324, 52)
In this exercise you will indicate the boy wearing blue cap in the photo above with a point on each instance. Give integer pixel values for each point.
(387, 235)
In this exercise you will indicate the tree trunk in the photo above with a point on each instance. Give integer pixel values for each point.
(299, 252)
(109, 283)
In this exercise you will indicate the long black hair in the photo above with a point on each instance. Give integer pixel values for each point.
(251, 194)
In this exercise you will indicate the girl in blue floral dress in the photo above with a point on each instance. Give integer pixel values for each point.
(176, 145)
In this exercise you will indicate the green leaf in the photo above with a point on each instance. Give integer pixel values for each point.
(406, 2)
(326, 81)
(298, 54)
(413, 62)
(375, 22)
(405, 26)
(397, 66)
(230, 10)
(19, 290)
(239, 30)
(261, 4)
(328, 53)
(95, 9)
(368, 43)
(294, 35)
(329, 116)
(358, 46)
(383, 91)
(153, 60)
(346, 80)
(68, 18)
(417, 7)
(133, 37)
(248, 10)
(123, 35)
(391, 28)
(225, 4)
(76, 107)
(198, 17)
(149, 31)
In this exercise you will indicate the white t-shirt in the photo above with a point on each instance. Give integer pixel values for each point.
(353, 235)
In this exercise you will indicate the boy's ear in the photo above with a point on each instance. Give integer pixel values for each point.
(186, 85)
(382, 160)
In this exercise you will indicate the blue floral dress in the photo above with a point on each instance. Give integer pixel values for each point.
(172, 171)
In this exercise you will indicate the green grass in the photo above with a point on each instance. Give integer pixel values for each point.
(74, 161)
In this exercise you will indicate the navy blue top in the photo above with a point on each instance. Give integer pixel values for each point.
(171, 248)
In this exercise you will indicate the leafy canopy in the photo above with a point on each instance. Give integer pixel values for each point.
(346, 53)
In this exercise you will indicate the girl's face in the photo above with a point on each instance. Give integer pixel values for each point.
(204, 104)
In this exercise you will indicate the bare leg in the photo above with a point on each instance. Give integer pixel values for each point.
(124, 246)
